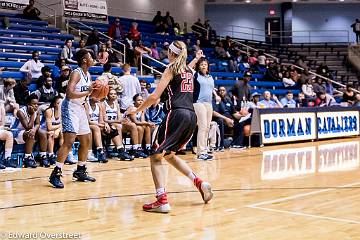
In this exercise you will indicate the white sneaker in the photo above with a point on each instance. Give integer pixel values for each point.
(71, 159)
(91, 157)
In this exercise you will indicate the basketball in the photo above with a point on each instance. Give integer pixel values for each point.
(100, 89)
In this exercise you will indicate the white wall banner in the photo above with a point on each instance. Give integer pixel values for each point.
(337, 124)
(14, 4)
(86, 9)
(287, 127)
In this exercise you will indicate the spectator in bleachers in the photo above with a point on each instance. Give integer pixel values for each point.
(223, 111)
(301, 100)
(51, 127)
(169, 20)
(252, 60)
(294, 75)
(161, 28)
(7, 137)
(307, 89)
(224, 55)
(261, 59)
(56, 69)
(329, 87)
(203, 91)
(21, 91)
(141, 49)
(144, 92)
(228, 44)
(356, 29)
(272, 74)
(9, 96)
(82, 44)
(144, 127)
(288, 101)
(131, 86)
(45, 73)
(116, 31)
(305, 75)
(113, 59)
(154, 50)
(31, 12)
(148, 87)
(255, 99)
(93, 42)
(103, 55)
(164, 53)
(268, 103)
(349, 95)
(286, 79)
(134, 33)
(324, 99)
(242, 88)
(319, 85)
(25, 130)
(62, 81)
(157, 19)
(301, 62)
(66, 52)
(177, 30)
(196, 47)
(33, 66)
(122, 125)
(46, 93)
(323, 70)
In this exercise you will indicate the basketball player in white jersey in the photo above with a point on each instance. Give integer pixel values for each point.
(75, 121)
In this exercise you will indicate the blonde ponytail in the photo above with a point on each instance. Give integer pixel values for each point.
(179, 64)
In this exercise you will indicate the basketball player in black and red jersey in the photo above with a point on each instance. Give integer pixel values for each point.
(176, 129)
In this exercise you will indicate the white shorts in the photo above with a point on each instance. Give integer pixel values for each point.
(74, 118)
(18, 135)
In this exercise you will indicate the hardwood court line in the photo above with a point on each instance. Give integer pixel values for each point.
(307, 215)
(283, 199)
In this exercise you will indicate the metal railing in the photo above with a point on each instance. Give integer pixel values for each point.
(142, 64)
(297, 36)
(319, 76)
(85, 34)
(49, 8)
(102, 34)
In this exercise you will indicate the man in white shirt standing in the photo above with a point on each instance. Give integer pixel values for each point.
(33, 66)
(131, 86)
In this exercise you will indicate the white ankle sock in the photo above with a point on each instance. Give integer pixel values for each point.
(148, 146)
(59, 165)
(160, 191)
(192, 176)
(27, 155)
(42, 154)
(80, 163)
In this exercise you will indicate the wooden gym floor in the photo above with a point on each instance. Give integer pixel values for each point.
(295, 191)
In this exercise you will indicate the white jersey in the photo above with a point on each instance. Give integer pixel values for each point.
(17, 123)
(111, 113)
(94, 114)
(82, 86)
(54, 121)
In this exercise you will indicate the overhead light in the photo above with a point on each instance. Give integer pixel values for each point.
(248, 1)
(341, 0)
(294, 0)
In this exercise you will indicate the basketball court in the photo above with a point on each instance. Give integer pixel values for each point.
(297, 191)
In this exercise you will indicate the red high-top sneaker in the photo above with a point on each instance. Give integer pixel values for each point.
(204, 188)
(161, 205)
